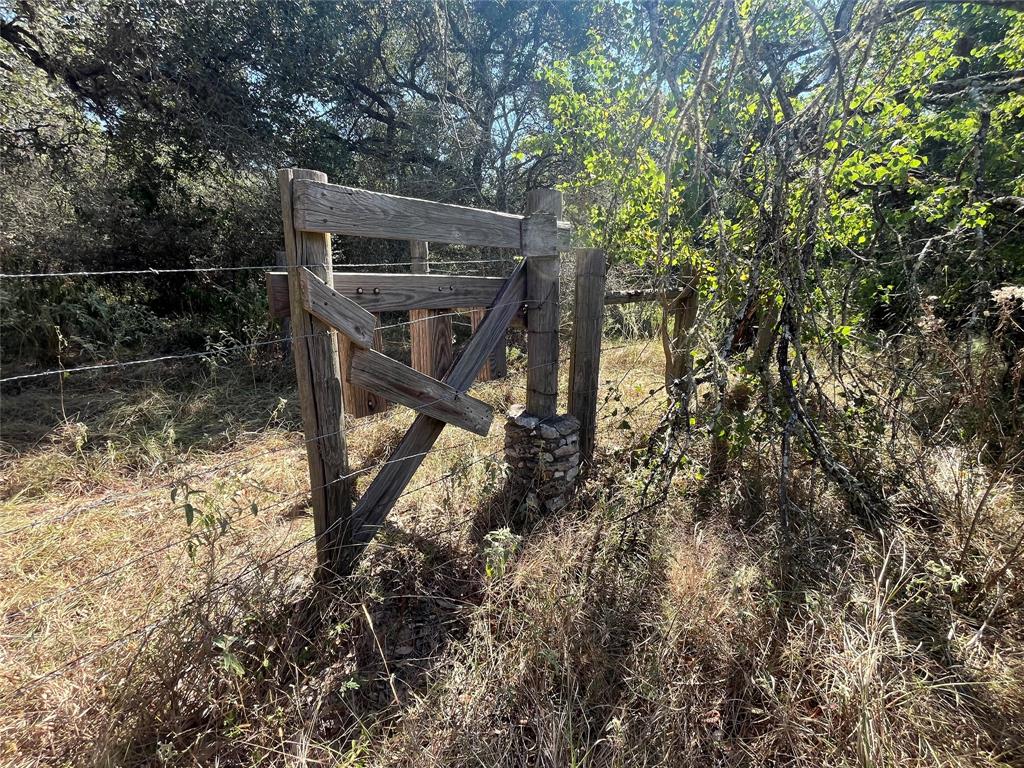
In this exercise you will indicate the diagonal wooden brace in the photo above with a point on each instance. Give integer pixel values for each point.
(393, 477)
(399, 383)
(341, 313)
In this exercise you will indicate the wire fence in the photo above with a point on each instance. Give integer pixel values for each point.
(245, 268)
(123, 638)
(92, 582)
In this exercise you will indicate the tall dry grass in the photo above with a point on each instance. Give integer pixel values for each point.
(609, 635)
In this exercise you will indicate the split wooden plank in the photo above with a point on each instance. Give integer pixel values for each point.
(496, 366)
(396, 293)
(281, 260)
(585, 360)
(323, 207)
(337, 311)
(384, 293)
(277, 294)
(430, 330)
(393, 477)
(399, 383)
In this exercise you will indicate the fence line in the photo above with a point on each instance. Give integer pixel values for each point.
(158, 359)
(322, 375)
(164, 547)
(246, 268)
(106, 500)
(238, 577)
(120, 640)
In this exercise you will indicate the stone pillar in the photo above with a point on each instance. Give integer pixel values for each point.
(543, 457)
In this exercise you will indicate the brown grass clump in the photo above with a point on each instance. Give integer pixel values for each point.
(609, 635)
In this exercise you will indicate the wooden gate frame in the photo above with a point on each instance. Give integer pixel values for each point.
(321, 303)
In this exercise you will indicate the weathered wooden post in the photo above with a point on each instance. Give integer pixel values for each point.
(430, 330)
(318, 371)
(541, 447)
(585, 359)
(281, 260)
(360, 402)
(540, 250)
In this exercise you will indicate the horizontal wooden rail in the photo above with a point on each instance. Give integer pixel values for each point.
(632, 297)
(398, 293)
(399, 383)
(321, 207)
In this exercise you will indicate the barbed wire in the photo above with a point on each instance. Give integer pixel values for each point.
(179, 482)
(107, 500)
(179, 542)
(106, 574)
(244, 268)
(158, 359)
(124, 637)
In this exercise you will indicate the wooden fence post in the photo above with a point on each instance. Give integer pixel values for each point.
(430, 332)
(318, 371)
(540, 251)
(585, 359)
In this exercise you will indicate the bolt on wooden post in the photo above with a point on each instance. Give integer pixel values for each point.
(540, 251)
(319, 375)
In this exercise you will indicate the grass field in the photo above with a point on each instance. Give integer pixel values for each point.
(608, 635)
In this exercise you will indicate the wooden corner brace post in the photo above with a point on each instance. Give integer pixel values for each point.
(540, 252)
(319, 375)
(381, 495)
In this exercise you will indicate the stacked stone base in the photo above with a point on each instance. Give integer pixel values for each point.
(543, 459)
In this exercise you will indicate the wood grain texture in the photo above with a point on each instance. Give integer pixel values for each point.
(322, 207)
(337, 311)
(399, 383)
(277, 294)
(585, 360)
(392, 479)
(496, 366)
(476, 316)
(281, 260)
(540, 252)
(318, 373)
(430, 330)
(396, 293)
(431, 341)
(360, 402)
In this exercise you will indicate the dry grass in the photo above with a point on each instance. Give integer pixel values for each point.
(602, 637)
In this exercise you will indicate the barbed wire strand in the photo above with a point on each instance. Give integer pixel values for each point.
(245, 268)
(355, 473)
(347, 476)
(179, 542)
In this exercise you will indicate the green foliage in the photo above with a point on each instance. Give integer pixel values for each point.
(499, 548)
(673, 168)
